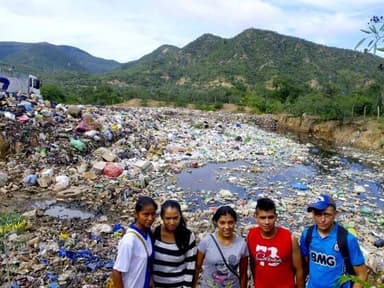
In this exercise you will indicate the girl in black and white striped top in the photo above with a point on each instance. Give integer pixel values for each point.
(175, 249)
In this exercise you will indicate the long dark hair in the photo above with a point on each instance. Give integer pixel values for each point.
(144, 201)
(224, 210)
(182, 233)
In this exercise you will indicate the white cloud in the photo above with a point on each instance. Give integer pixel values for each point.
(126, 30)
(338, 5)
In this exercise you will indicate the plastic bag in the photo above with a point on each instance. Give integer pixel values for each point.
(112, 170)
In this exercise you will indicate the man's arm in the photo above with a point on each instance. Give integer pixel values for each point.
(297, 263)
(304, 261)
(361, 272)
(252, 266)
(356, 257)
(243, 272)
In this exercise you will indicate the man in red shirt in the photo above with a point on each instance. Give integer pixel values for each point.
(274, 251)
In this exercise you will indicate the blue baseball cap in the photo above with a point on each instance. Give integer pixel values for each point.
(322, 202)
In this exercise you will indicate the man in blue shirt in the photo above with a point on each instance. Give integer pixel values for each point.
(322, 255)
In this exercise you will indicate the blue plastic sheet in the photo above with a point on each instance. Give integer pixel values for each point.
(74, 255)
(118, 228)
(53, 285)
(92, 262)
(107, 264)
(299, 186)
(51, 276)
(26, 106)
(97, 238)
(44, 261)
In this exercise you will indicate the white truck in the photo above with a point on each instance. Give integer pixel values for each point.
(18, 83)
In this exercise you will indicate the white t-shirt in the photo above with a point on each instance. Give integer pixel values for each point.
(132, 259)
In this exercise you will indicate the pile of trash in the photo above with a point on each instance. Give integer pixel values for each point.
(98, 160)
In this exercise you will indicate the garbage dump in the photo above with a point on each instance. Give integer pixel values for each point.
(73, 173)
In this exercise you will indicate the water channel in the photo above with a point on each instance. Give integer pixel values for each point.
(247, 180)
(334, 172)
(323, 171)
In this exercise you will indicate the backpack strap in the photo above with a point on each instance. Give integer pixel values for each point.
(308, 237)
(342, 243)
(140, 238)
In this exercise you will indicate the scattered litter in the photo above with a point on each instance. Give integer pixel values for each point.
(91, 163)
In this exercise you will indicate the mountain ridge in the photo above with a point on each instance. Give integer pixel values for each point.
(253, 65)
(248, 53)
(46, 57)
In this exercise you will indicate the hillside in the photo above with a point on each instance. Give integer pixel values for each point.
(249, 60)
(47, 58)
(264, 70)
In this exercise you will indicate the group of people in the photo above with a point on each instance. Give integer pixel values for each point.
(168, 255)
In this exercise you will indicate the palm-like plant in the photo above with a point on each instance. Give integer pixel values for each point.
(375, 35)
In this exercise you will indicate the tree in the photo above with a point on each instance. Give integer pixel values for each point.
(255, 101)
(286, 89)
(375, 33)
(53, 93)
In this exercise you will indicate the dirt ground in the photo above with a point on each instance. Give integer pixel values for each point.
(153, 103)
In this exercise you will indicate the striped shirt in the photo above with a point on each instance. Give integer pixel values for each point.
(172, 267)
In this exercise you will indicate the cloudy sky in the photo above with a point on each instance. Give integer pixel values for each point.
(125, 30)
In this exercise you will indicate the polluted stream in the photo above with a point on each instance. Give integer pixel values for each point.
(247, 181)
(214, 184)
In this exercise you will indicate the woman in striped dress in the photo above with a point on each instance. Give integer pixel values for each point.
(175, 249)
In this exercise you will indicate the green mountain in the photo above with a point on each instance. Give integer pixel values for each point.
(252, 58)
(43, 57)
(261, 69)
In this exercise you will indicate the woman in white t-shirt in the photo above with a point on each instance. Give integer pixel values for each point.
(135, 251)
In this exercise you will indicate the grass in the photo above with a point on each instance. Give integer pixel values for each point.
(9, 223)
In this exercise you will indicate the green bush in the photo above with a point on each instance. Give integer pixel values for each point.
(274, 106)
(52, 93)
(204, 107)
(355, 279)
(218, 106)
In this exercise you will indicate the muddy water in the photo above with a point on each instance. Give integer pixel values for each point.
(247, 180)
(61, 210)
(348, 177)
